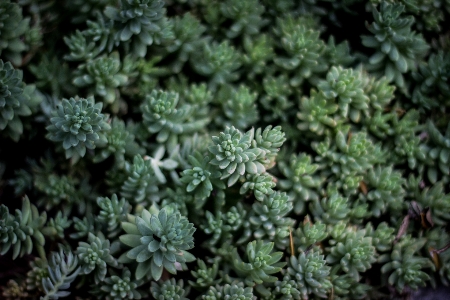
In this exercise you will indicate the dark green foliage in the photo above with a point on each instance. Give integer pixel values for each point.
(199, 179)
(78, 124)
(158, 241)
(398, 47)
(139, 24)
(302, 145)
(405, 269)
(204, 276)
(119, 142)
(229, 291)
(161, 115)
(218, 62)
(233, 153)
(112, 213)
(12, 28)
(94, 256)
(270, 221)
(169, 289)
(353, 250)
(20, 230)
(310, 272)
(141, 184)
(117, 287)
(16, 100)
(103, 76)
(261, 263)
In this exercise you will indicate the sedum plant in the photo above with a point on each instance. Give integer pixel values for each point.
(310, 273)
(78, 124)
(269, 149)
(158, 242)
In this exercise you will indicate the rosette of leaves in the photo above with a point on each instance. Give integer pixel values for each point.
(311, 273)
(429, 14)
(303, 47)
(57, 189)
(317, 114)
(78, 123)
(103, 74)
(347, 287)
(432, 77)
(351, 153)
(261, 185)
(100, 33)
(285, 289)
(117, 287)
(245, 15)
(218, 62)
(408, 145)
(233, 291)
(38, 271)
(82, 227)
(205, 276)
(22, 182)
(436, 199)
(178, 198)
(379, 91)
(406, 266)
(112, 212)
(270, 219)
(94, 256)
(226, 226)
(238, 106)
(234, 155)
(332, 208)
(261, 263)
(81, 47)
(398, 47)
(214, 225)
(269, 140)
(438, 152)
(22, 232)
(308, 234)
(161, 115)
(169, 289)
(63, 269)
(200, 179)
(301, 182)
(140, 23)
(16, 99)
(187, 30)
(158, 242)
(380, 124)
(346, 87)
(234, 220)
(12, 27)
(385, 191)
(382, 237)
(52, 75)
(275, 98)
(258, 52)
(338, 55)
(141, 186)
(354, 252)
(119, 142)
(55, 226)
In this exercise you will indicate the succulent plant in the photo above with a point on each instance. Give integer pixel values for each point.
(158, 242)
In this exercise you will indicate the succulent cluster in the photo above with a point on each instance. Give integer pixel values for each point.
(206, 149)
